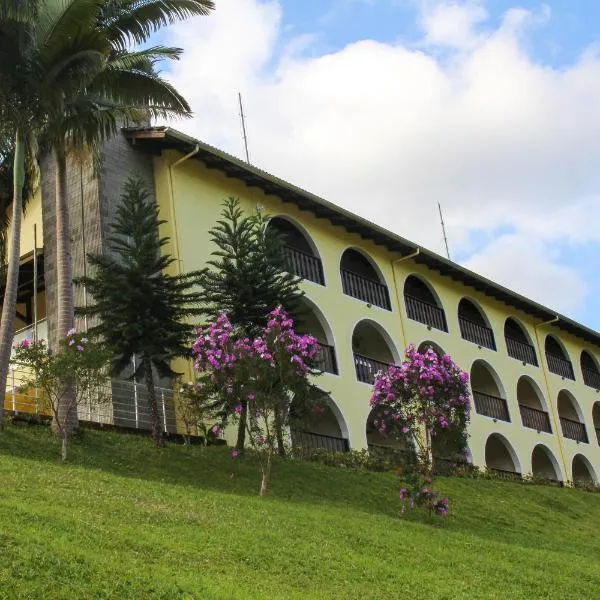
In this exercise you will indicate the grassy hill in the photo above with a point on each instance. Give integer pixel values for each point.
(123, 520)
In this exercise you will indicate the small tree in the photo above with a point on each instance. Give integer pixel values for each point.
(267, 372)
(77, 374)
(143, 311)
(247, 277)
(424, 394)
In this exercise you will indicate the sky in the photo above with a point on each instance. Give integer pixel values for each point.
(387, 107)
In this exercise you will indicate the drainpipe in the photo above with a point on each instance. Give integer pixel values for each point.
(397, 294)
(553, 409)
(172, 204)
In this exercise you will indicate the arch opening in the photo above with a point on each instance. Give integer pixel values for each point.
(373, 350)
(532, 405)
(518, 343)
(424, 346)
(500, 455)
(474, 326)
(323, 428)
(422, 304)
(310, 320)
(596, 418)
(488, 394)
(362, 280)
(557, 358)
(571, 417)
(375, 439)
(582, 471)
(544, 464)
(301, 255)
(589, 370)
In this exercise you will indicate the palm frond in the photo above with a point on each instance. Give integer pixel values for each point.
(58, 20)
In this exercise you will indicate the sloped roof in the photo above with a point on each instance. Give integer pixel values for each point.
(156, 139)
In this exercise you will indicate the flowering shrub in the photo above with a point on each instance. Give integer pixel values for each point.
(74, 374)
(264, 374)
(423, 395)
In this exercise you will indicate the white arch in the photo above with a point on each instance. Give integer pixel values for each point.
(369, 259)
(493, 373)
(428, 285)
(335, 409)
(478, 307)
(574, 402)
(589, 466)
(536, 389)
(300, 228)
(384, 334)
(550, 455)
(427, 343)
(321, 318)
(509, 448)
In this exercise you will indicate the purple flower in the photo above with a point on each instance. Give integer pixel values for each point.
(238, 409)
(235, 453)
(80, 348)
(216, 430)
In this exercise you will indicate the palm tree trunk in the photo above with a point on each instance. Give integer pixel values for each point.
(157, 432)
(67, 410)
(7, 324)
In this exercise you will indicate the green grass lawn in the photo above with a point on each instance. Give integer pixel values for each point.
(124, 520)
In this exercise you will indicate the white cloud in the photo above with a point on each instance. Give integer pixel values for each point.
(388, 130)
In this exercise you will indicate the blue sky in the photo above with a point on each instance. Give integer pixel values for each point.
(491, 107)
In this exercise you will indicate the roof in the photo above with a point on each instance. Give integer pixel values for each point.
(156, 139)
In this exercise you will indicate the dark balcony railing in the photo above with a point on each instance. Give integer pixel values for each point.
(598, 434)
(326, 360)
(560, 366)
(304, 265)
(491, 406)
(477, 333)
(318, 441)
(521, 351)
(365, 289)
(367, 368)
(574, 430)
(591, 378)
(504, 474)
(425, 312)
(535, 419)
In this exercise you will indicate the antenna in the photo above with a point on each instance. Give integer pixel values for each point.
(244, 127)
(444, 230)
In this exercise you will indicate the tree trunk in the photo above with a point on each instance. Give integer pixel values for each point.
(241, 436)
(266, 475)
(67, 410)
(7, 324)
(279, 436)
(157, 431)
(63, 448)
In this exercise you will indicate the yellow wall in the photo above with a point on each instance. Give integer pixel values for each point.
(195, 194)
(32, 217)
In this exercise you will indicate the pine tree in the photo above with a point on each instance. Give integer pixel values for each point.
(247, 276)
(143, 311)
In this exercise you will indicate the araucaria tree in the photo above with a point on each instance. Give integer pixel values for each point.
(143, 310)
(266, 372)
(247, 276)
(422, 395)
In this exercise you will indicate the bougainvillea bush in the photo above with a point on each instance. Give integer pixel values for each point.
(423, 395)
(268, 372)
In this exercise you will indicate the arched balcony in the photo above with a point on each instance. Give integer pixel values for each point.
(360, 279)
(518, 344)
(532, 406)
(422, 305)
(582, 472)
(311, 320)
(557, 359)
(377, 440)
(373, 350)
(596, 417)
(474, 327)
(320, 429)
(571, 418)
(501, 457)
(424, 346)
(301, 254)
(544, 464)
(488, 395)
(589, 370)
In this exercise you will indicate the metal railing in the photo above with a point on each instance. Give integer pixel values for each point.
(591, 378)
(597, 434)
(477, 333)
(504, 474)
(491, 406)
(560, 366)
(326, 360)
(425, 312)
(535, 418)
(365, 289)
(304, 265)
(367, 368)
(574, 430)
(318, 441)
(521, 351)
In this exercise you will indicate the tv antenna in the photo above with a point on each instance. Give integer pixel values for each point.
(243, 118)
(444, 231)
